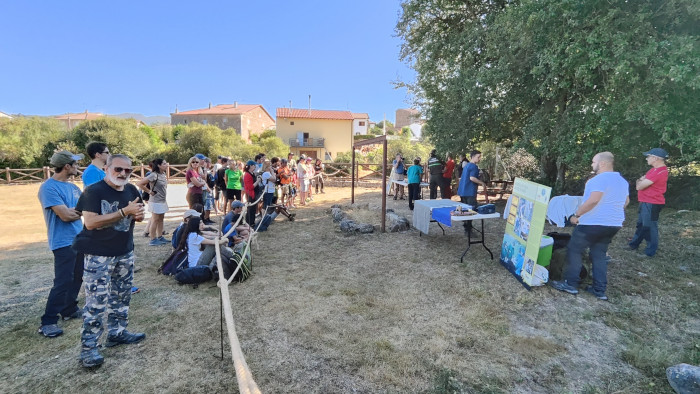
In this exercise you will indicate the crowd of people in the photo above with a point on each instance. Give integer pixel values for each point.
(90, 232)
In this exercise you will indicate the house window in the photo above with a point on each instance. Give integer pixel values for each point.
(291, 123)
(362, 123)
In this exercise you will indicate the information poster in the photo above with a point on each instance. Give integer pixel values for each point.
(524, 227)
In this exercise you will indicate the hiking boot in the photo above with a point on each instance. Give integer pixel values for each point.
(563, 286)
(50, 330)
(598, 294)
(91, 358)
(75, 315)
(125, 338)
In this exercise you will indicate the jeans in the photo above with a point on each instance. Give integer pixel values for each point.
(68, 279)
(413, 194)
(597, 239)
(208, 256)
(267, 199)
(647, 227)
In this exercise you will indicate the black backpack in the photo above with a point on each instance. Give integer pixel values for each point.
(176, 262)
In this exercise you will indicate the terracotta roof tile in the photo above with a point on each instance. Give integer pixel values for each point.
(222, 109)
(80, 115)
(313, 114)
(360, 115)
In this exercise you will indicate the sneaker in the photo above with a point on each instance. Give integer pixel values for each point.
(563, 286)
(145, 234)
(162, 240)
(50, 330)
(91, 358)
(135, 290)
(75, 315)
(125, 338)
(630, 247)
(208, 222)
(598, 294)
(155, 242)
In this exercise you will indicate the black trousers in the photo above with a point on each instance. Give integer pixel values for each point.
(471, 200)
(413, 194)
(435, 182)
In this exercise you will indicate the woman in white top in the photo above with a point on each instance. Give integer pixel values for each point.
(269, 180)
(199, 242)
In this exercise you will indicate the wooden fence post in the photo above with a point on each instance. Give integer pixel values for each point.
(7, 174)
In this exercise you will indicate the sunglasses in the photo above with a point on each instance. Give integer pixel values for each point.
(127, 171)
(105, 152)
(195, 162)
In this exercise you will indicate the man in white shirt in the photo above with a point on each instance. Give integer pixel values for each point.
(598, 219)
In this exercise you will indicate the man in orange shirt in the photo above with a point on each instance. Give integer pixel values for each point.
(651, 188)
(285, 177)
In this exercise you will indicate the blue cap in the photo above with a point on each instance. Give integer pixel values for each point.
(200, 156)
(251, 163)
(236, 204)
(657, 152)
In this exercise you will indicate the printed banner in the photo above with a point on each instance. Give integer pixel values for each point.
(524, 228)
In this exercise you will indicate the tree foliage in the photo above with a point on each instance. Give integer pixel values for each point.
(123, 136)
(562, 78)
(29, 142)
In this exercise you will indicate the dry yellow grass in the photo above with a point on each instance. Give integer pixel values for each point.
(330, 313)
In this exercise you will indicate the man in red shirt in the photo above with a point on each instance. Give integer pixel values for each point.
(651, 188)
(446, 189)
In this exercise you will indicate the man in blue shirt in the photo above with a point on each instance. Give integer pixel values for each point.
(598, 219)
(469, 184)
(98, 153)
(58, 199)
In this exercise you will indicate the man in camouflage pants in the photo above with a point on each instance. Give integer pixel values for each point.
(110, 209)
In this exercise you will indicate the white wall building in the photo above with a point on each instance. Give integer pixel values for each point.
(360, 123)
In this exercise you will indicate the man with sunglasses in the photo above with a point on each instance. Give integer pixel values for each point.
(110, 209)
(98, 153)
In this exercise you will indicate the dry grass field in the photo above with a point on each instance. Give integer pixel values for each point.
(379, 313)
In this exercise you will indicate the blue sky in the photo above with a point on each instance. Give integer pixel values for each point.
(147, 56)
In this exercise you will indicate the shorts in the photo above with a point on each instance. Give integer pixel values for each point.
(284, 189)
(158, 207)
(233, 194)
(304, 185)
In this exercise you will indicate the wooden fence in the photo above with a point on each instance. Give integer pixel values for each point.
(337, 174)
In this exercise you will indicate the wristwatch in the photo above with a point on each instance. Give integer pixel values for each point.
(575, 216)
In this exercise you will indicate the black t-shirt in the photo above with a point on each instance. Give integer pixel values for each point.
(116, 239)
(221, 178)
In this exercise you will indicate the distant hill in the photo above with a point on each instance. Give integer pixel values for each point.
(149, 120)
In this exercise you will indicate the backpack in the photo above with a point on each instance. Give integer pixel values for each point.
(176, 262)
(230, 265)
(194, 275)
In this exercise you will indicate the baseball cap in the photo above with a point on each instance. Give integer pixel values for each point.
(303, 156)
(657, 152)
(309, 159)
(200, 156)
(189, 213)
(251, 163)
(60, 159)
(236, 204)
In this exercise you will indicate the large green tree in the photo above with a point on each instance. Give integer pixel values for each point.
(563, 78)
(124, 136)
(29, 142)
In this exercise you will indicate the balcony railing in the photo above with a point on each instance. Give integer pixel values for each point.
(307, 142)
